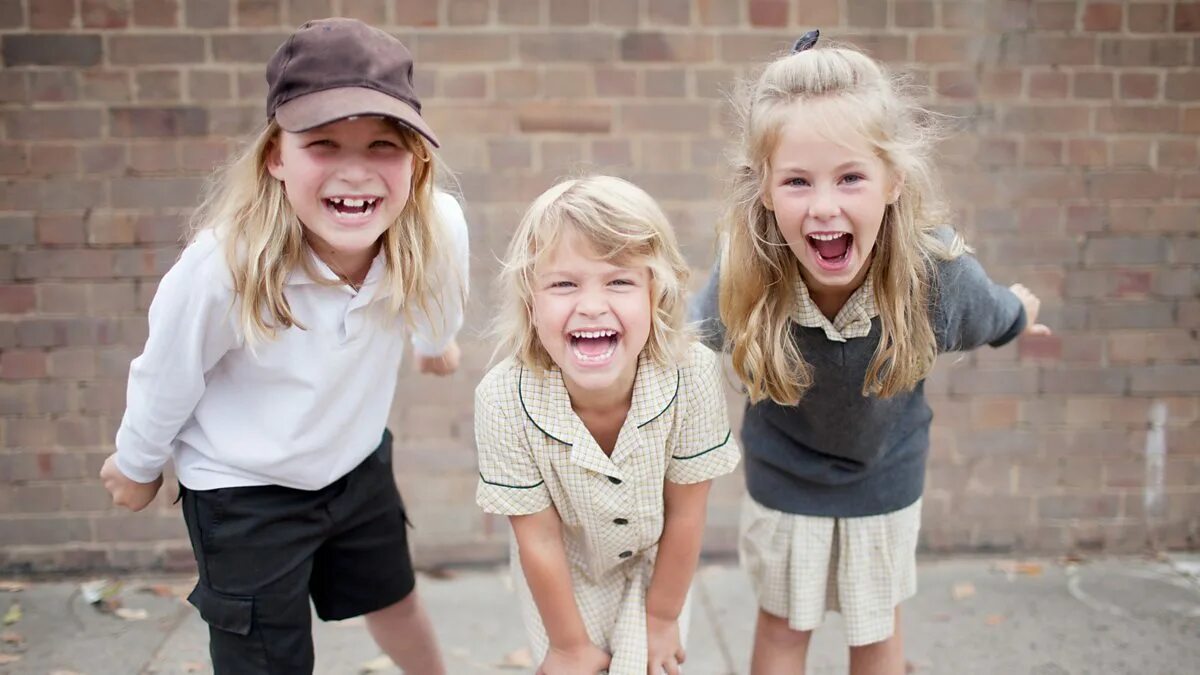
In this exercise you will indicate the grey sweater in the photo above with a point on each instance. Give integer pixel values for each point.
(839, 453)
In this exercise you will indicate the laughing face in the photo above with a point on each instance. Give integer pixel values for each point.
(829, 200)
(347, 181)
(592, 317)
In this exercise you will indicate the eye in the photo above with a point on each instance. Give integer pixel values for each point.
(320, 143)
(562, 284)
(796, 182)
(623, 282)
(853, 178)
(384, 145)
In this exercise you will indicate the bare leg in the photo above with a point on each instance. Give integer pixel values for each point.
(405, 633)
(778, 650)
(885, 657)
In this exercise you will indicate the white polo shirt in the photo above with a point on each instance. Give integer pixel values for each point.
(300, 410)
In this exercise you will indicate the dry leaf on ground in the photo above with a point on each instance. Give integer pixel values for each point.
(520, 658)
(962, 590)
(376, 665)
(13, 614)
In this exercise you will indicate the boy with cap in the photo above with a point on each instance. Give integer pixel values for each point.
(272, 358)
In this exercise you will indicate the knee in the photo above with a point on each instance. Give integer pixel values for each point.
(401, 610)
(777, 631)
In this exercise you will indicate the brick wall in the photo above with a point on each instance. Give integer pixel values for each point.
(1075, 172)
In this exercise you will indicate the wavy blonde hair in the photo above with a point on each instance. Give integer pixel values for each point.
(835, 88)
(264, 240)
(624, 225)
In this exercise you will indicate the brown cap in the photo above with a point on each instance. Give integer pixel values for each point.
(332, 69)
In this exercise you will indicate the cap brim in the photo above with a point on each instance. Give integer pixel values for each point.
(322, 107)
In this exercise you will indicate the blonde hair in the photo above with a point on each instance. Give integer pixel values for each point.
(264, 240)
(836, 86)
(623, 224)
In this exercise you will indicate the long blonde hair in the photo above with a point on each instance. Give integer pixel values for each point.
(623, 224)
(759, 273)
(264, 240)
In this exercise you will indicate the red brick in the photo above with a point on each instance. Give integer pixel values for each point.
(957, 84)
(22, 364)
(670, 118)
(457, 47)
(1172, 379)
(50, 14)
(612, 152)
(51, 49)
(106, 86)
(301, 11)
(509, 12)
(918, 14)
(1046, 118)
(1001, 84)
(618, 13)
(568, 48)
(156, 13)
(1178, 154)
(1187, 17)
(669, 12)
(568, 118)
(155, 49)
(17, 299)
(888, 48)
(1034, 50)
(1131, 153)
(158, 122)
(770, 13)
(12, 14)
(1183, 86)
(817, 13)
(1130, 184)
(208, 85)
(1102, 16)
(251, 48)
(567, 83)
(866, 13)
(1143, 315)
(1148, 18)
(53, 86)
(258, 13)
(1124, 251)
(1078, 506)
(570, 12)
(105, 13)
(1146, 347)
(1093, 85)
(1087, 152)
(1048, 85)
(1054, 15)
(654, 46)
(209, 14)
(1154, 51)
(371, 12)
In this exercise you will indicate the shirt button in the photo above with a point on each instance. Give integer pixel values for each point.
(626, 554)
(614, 481)
(620, 521)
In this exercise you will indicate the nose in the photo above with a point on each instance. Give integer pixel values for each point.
(591, 304)
(354, 169)
(824, 204)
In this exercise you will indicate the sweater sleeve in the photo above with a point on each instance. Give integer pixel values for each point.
(972, 310)
(705, 311)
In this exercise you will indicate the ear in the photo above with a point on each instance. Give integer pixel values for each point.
(897, 188)
(275, 159)
(764, 196)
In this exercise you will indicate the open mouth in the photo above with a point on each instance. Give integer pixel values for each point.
(352, 206)
(594, 346)
(832, 248)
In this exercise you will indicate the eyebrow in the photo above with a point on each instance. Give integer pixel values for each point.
(844, 166)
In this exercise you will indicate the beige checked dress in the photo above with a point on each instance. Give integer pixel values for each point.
(804, 566)
(534, 453)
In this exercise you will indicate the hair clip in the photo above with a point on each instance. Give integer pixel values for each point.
(806, 41)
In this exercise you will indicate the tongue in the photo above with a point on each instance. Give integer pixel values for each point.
(342, 208)
(832, 249)
(593, 346)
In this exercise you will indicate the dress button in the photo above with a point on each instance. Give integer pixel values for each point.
(626, 554)
(614, 481)
(620, 521)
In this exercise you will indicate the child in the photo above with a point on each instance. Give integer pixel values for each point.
(273, 352)
(598, 436)
(837, 289)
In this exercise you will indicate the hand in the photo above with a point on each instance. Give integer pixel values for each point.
(131, 494)
(587, 659)
(443, 364)
(1032, 305)
(665, 649)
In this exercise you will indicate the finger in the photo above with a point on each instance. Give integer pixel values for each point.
(671, 667)
(1040, 329)
(680, 655)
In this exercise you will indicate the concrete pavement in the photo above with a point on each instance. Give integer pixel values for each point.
(971, 615)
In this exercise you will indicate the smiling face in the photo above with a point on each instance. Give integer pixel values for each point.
(592, 317)
(347, 181)
(829, 200)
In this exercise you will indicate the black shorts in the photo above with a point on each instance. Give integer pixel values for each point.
(263, 551)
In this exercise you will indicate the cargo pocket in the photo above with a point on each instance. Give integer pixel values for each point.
(230, 613)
